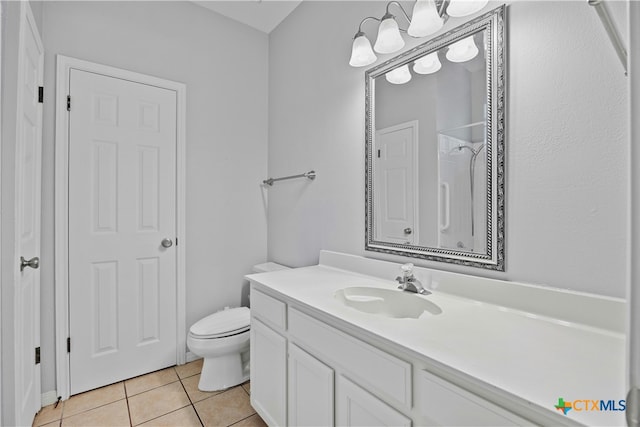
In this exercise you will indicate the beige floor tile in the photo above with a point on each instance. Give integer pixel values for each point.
(93, 399)
(48, 414)
(53, 424)
(252, 421)
(157, 402)
(225, 408)
(247, 387)
(185, 417)
(113, 414)
(191, 368)
(191, 385)
(150, 381)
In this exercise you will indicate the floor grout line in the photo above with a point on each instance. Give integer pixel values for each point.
(128, 409)
(190, 400)
(92, 408)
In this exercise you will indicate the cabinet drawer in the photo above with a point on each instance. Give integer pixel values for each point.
(380, 372)
(269, 309)
(442, 403)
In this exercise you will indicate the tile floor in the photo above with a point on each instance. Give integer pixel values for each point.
(169, 397)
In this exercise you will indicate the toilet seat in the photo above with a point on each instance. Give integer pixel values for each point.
(225, 323)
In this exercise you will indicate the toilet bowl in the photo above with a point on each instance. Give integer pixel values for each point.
(222, 340)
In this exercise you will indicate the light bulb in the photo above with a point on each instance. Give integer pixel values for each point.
(389, 39)
(399, 76)
(463, 50)
(361, 52)
(425, 19)
(458, 8)
(427, 64)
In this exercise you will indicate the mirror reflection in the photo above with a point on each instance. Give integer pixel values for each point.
(429, 141)
(432, 185)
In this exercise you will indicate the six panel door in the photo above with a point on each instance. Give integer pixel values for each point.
(122, 206)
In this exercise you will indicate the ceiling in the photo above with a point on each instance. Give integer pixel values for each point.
(263, 15)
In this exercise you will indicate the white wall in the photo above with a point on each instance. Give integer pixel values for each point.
(566, 143)
(224, 65)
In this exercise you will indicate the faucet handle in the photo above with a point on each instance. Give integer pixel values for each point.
(407, 269)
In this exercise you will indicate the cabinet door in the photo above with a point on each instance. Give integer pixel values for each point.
(310, 390)
(268, 374)
(356, 407)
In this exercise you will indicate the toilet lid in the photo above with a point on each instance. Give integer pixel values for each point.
(223, 323)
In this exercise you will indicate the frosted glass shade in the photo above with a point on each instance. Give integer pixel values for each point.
(399, 76)
(458, 8)
(427, 64)
(389, 39)
(361, 52)
(425, 19)
(463, 50)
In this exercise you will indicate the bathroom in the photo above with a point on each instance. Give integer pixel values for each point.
(282, 103)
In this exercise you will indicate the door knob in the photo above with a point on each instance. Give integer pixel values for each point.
(408, 230)
(166, 242)
(33, 263)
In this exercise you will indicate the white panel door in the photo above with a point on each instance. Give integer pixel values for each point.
(310, 390)
(122, 206)
(28, 201)
(396, 184)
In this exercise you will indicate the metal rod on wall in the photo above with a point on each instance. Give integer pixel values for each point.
(310, 175)
(612, 31)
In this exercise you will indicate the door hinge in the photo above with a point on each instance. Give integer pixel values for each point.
(69, 345)
(37, 355)
(68, 102)
(40, 94)
(378, 153)
(176, 241)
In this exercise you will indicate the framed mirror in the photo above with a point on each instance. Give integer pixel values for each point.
(435, 148)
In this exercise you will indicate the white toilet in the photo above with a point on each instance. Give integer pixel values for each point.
(222, 339)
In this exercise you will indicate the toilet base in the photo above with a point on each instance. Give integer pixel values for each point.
(222, 372)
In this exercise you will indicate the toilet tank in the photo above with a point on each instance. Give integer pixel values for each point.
(268, 266)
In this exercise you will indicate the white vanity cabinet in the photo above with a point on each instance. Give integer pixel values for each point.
(305, 372)
(311, 387)
(268, 359)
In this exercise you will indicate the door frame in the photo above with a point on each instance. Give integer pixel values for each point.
(64, 66)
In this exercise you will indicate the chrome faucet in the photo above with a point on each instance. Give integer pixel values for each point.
(408, 281)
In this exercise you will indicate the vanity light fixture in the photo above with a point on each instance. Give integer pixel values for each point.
(463, 50)
(389, 39)
(398, 76)
(458, 8)
(428, 64)
(361, 52)
(428, 17)
(425, 19)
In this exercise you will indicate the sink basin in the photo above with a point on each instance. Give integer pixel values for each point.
(386, 302)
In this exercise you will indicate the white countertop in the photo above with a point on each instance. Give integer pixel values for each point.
(537, 359)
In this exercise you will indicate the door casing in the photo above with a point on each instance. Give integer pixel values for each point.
(61, 197)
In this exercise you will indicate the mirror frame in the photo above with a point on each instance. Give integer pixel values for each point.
(493, 23)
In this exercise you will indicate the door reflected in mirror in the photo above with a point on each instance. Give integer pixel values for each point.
(435, 148)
